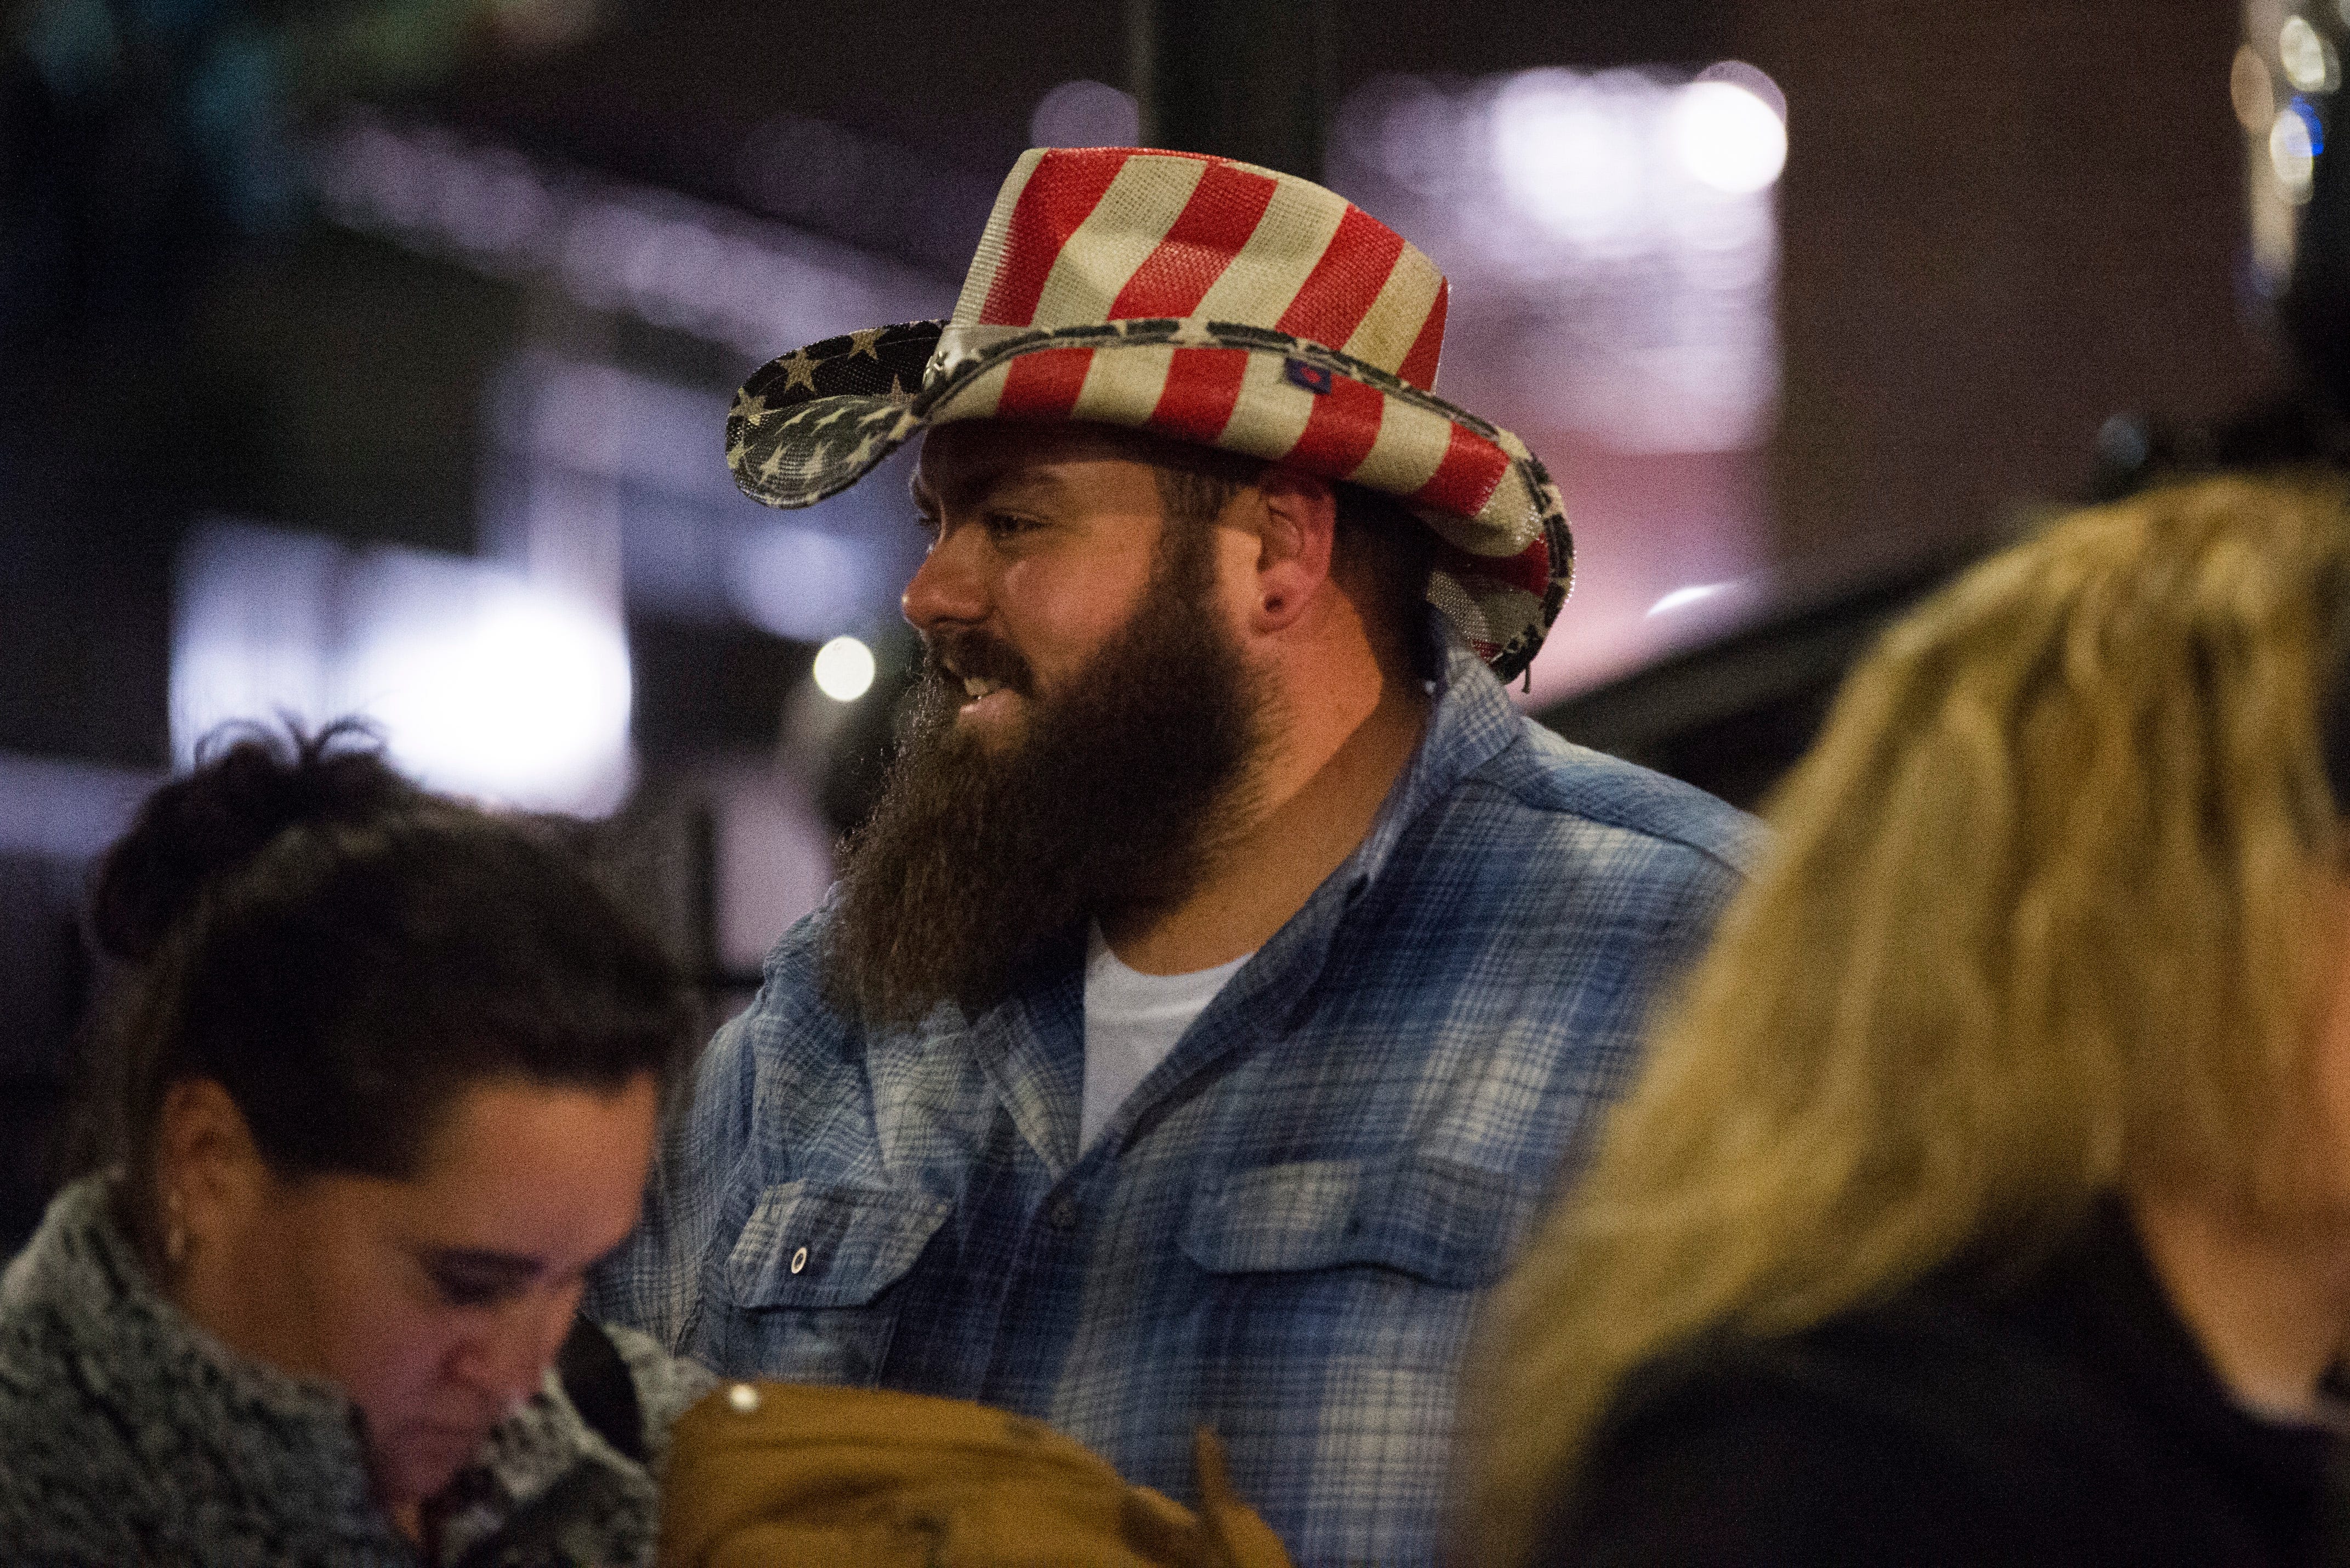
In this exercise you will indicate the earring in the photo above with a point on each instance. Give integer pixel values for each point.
(175, 1229)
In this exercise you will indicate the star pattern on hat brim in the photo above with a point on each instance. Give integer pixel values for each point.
(799, 370)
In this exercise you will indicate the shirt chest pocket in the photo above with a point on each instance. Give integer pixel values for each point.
(809, 1276)
(1439, 1222)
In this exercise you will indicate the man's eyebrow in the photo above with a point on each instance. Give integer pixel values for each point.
(1003, 482)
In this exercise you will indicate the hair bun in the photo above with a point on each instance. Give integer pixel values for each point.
(250, 784)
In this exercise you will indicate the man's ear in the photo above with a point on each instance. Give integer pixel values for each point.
(1299, 531)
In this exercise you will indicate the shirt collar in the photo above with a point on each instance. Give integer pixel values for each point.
(1471, 721)
(1033, 1044)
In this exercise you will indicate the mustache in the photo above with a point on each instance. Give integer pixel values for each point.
(949, 656)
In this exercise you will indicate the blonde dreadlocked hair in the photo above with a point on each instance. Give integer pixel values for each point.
(2036, 926)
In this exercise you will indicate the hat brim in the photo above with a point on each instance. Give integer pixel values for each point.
(813, 422)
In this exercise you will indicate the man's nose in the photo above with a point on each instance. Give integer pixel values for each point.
(950, 587)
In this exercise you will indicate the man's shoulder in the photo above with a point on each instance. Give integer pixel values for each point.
(795, 964)
(1580, 792)
(791, 1024)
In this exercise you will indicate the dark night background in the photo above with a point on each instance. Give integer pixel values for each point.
(1999, 226)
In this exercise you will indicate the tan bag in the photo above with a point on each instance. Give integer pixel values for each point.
(764, 1475)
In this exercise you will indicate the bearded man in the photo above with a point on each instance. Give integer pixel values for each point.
(1229, 969)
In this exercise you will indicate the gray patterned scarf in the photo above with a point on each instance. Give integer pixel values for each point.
(128, 1435)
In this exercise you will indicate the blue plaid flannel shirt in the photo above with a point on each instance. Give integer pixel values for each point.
(1284, 1232)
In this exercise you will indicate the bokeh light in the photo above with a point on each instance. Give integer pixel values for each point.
(1728, 137)
(2251, 91)
(483, 681)
(1682, 597)
(2309, 61)
(1085, 114)
(2292, 152)
(844, 669)
(1611, 238)
(608, 244)
(508, 691)
(1571, 157)
(799, 581)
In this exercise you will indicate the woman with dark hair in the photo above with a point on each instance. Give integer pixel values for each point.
(1986, 1199)
(388, 1074)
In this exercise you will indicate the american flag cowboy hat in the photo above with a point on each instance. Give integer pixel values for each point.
(1211, 302)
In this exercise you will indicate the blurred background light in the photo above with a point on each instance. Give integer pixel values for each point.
(537, 26)
(1681, 598)
(1570, 153)
(2292, 150)
(1085, 114)
(665, 258)
(1606, 286)
(2312, 122)
(2308, 58)
(62, 809)
(482, 683)
(598, 463)
(593, 418)
(800, 582)
(1753, 79)
(2251, 91)
(1729, 137)
(844, 669)
(74, 45)
(1613, 244)
(490, 685)
(252, 632)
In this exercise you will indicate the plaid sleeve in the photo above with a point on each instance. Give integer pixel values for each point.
(652, 1283)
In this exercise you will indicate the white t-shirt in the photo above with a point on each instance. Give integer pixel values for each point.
(1132, 1021)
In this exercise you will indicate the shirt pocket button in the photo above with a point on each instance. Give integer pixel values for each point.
(800, 1260)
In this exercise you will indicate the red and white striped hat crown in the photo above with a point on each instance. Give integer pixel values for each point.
(1209, 302)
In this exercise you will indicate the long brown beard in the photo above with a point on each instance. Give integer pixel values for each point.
(980, 863)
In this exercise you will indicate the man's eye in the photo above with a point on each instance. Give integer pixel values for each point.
(1005, 524)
